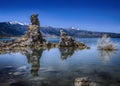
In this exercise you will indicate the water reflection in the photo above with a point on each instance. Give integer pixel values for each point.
(66, 52)
(33, 56)
(51, 71)
(105, 55)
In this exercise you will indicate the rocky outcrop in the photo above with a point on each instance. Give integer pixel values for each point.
(68, 41)
(33, 35)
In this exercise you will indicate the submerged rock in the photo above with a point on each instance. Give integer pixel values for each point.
(17, 73)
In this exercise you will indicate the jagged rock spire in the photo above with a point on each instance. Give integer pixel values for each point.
(34, 19)
(33, 33)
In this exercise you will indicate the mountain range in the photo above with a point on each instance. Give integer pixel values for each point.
(8, 29)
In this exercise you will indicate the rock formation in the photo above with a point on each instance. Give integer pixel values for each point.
(105, 43)
(67, 41)
(33, 38)
(33, 35)
(85, 81)
(82, 81)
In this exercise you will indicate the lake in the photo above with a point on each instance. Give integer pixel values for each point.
(60, 67)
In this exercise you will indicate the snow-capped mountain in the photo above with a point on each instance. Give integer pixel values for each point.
(12, 28)
(19, 29)
(17, 22)
(74, 28)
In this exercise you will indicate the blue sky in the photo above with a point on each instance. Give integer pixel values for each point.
(93, 15)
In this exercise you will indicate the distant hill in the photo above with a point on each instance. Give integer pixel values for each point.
(18, 29)
(12, 29)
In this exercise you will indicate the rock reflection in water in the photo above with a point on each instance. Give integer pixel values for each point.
(61, 78)
(105, 55)
(33, 57)
(66, 52)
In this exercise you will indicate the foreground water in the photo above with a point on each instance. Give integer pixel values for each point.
(60, 67)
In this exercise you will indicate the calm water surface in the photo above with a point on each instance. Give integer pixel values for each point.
(60, 67)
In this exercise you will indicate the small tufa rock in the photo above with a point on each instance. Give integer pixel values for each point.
(66, 41)
(84, 81)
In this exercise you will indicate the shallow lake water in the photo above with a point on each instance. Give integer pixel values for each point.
(60, 67)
